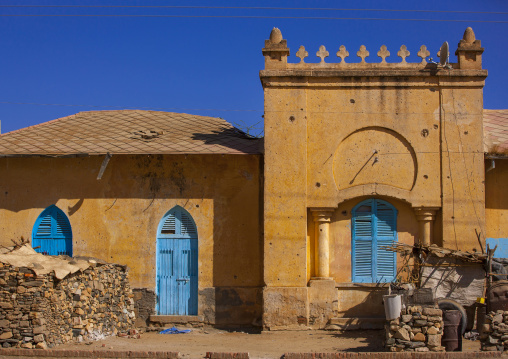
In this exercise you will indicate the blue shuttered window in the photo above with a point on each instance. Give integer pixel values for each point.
(52, 233)
(177, 264)
(374, 226)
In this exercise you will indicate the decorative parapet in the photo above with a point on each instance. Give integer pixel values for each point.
(469, 51)
(276, 52)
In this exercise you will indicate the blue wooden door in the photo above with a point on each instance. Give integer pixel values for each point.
(177, 264)
(52, 233)
(374, 226)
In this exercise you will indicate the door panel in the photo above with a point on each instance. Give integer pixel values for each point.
(177, 261)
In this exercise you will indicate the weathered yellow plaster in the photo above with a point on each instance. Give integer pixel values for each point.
(496, 199)
(338, 133)
(116, 218)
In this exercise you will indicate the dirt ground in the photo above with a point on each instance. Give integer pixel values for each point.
(263, 345)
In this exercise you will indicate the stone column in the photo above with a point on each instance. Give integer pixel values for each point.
(425, 217)
(322, 219)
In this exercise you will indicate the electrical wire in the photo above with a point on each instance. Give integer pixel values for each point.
(251, 8)
(125, 107)
(251, 17)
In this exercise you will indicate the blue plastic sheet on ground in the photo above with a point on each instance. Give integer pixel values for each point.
(175, 330)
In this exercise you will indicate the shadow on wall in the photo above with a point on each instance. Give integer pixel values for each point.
(238, 258)
(231, 181)
(361, 303)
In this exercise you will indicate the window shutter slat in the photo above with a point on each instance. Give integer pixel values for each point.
(44, 228)
(187, 225)
(385, 261)
(63, 227)
(169, 226)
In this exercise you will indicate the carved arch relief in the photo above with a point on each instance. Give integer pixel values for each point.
(375, 155)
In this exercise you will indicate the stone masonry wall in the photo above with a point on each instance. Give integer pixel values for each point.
(40, 311)
(144, 304)
(418, 329)
(494, 333)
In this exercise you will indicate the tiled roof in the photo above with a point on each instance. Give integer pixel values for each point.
(495, 131)
(129, 132)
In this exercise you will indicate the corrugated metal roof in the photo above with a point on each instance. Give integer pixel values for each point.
(495, 131)
(129, 132)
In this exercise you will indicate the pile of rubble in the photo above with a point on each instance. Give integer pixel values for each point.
(494, 333)
(41, 310)
(418, 329)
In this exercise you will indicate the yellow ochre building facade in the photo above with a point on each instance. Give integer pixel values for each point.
(284, 232)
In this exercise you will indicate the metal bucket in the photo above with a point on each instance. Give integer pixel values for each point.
(393, 306)
(497, 296)
(452, 338)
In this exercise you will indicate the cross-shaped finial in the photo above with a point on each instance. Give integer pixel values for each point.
(403, 53)
(423, 53)
(383, 53)
(302, 54)
(322, 53)
(363, 53)
(342, 53)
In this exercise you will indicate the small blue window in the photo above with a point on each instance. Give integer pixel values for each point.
(374, 226)
(52, 233)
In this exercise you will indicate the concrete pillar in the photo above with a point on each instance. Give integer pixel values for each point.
(425, 217)
(322, 219)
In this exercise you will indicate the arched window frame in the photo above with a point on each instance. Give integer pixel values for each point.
(383, 264)
(183, 220)
(52, 232)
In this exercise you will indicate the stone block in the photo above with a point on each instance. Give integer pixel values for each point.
(6, 305)
(434, 340)
(432, 312)
(498, 318)
(423, 349)
(437, 348)
(6, 335)
(39, 338)
(419, 337)
(407, 318)
(39, 330)
(432, 331)
(4, 323)
(41, 345)
(414, 345)
(492, 340)
(434, 319)
(402, 334)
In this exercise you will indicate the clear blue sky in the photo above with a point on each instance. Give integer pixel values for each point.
(204, 65)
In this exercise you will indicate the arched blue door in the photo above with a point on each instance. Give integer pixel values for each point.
(177, 264)
(52, 233)
(374, 226)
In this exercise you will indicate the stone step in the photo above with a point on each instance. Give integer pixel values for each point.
(166, 319)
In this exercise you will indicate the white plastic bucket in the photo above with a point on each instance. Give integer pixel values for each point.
(393, 306)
